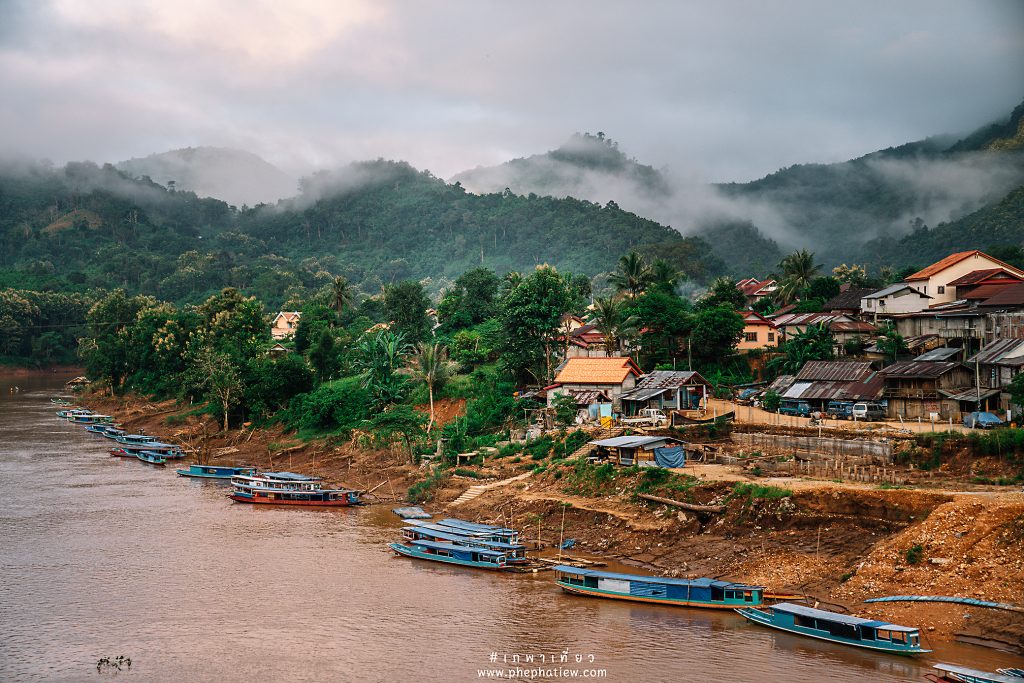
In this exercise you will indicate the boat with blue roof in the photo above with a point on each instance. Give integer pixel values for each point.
(134, 439)
(289, 488)
(953, 673)
(151, 457)
(708, 593)
(515, 553)
(216, 471)
(497, 533)
(449, 553)
(838, 628)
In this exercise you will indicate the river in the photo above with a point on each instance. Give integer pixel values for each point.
(103, 556)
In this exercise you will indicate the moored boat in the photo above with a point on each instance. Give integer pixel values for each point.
(838, 628)
(152, 457)
(134, 439)
(216, 471)
(68, 413)
(663, 590)
(498, 533)
(951, 673)
(515, 553)
(112, 432)
(465, 556)
(289, 488)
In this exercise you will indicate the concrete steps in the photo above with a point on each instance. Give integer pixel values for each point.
(476, 491)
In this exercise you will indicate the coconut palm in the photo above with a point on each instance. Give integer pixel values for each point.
(632, 275)
(798, 269)
(430, 365)
(664, 274)
(342, 294)
(379, 360)
(610, 318)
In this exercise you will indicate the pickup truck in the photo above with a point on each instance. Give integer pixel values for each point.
(791, 406)
(648, 416)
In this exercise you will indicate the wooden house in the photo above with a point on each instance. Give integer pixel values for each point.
(609, 377)
(924, 389)
(667, 390)
(645, 451)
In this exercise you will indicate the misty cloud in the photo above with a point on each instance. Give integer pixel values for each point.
(726, 91)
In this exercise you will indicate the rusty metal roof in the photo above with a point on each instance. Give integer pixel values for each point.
(834, 371)
(918, 369)
(670, 379)
(1008, 352)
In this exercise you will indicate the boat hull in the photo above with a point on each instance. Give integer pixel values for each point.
(764, 620)
(406, 551)
(597, 593)
(260, 500)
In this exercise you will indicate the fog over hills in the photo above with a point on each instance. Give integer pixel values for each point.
(234, 176)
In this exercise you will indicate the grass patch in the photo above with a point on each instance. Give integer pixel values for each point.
(914, 554)
(588, 479)
(425, 490)
(463, 472)
(751, 492)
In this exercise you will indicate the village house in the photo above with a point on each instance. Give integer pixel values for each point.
(937, 280)
(756, 290)
(981, 285)
(995, 366)
(586, 341)
(821, 381)
(667, 390)
(849, 300)
(843, 327)
(758, 332)
(644, 451)
(953, 322)
(594, 380)
(894, 299)
(284, 323)
(939, 390)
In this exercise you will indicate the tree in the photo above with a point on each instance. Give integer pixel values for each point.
(611, 319)
(430, 365)
(632, 275)
(405, 306)
(666, 277)
(716, 332)
(814, 342)
(378, 359)
(798, 270)
(324, 357)
(723, 292)
(1016, 389)
(401, 421)
(215, 371)
(531, 315)
(315, 318)
(342, 294)
(565, 409)
(890, 342)
(471, 301)
(854, 275)
(663, 319)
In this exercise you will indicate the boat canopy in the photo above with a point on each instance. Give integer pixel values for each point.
(695, 583)
(434, 526)
(473, 526)
(458, 548)
(458, 537)
(810, 612)
(288, 476)
(967, 674)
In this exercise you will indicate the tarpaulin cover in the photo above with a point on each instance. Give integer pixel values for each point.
(671, 456)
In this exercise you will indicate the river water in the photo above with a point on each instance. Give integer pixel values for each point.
(103, 556)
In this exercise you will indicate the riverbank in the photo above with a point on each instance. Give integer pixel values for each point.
(838, 543)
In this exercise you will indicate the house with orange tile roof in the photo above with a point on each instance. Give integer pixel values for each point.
(755, 289)
(595, 378)
(284, 323)
(758, 332)
(936, 281)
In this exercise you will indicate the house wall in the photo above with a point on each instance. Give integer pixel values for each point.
(901, 302)
(937, 285)
(589, 352)
(766, 337)
(613, 390)
(948, 327)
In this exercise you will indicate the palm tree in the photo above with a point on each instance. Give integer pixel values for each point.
(632, 275)
(798, 269)
(610, 318)
(378, 359)
(430, 365)
(664, 274)
(342, 294)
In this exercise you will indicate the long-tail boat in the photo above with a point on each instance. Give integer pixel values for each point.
(465, 556)
(499, 533)
(216, 471)
(951, 673)
(515, 553)
(288, 488)
(662, 590)
(838, 628)
(152, 457)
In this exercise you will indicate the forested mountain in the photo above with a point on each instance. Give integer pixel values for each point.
(84, 227)
(833, 209)
(236, 177)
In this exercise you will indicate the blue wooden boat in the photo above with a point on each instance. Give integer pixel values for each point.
(838, 628)
(464, 556)
(216, 471)
(479, 535)
(168, 451)
(112, 432)
(499, 533)
(951, 673)
(515, 553)
(152, 457)
(289, 488)
(68, 413)
(662, 590)
(134, 439)
(100, 429)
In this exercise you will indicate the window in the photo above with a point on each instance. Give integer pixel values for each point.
(750, 336)
(771, 336)
(942, 290)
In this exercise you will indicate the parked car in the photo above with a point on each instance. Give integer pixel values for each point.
(746, 397)
(839, 410)
(868, 411)
(982, 420)
(792, 406)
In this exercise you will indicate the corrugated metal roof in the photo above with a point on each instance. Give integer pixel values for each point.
(971, 394)
(642, 394)
(796, 390)
(942, 353)
(781, 383)
(1002, 352)
(585, 397)
(1009, 296)
(986, 291)
(915, 368)
(670, 379)
(892, 289)
(848, 300)
(834, 370)
(633, 441)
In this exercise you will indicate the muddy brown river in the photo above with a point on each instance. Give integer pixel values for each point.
(102, 556)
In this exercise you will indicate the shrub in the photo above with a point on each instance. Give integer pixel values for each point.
(914, 554)
(424, 490)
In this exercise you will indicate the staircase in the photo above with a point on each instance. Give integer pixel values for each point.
(476, 491)
(597, 436)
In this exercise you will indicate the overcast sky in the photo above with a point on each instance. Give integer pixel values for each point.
(719, 90)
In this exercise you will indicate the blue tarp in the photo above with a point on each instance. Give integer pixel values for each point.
(670, 456)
